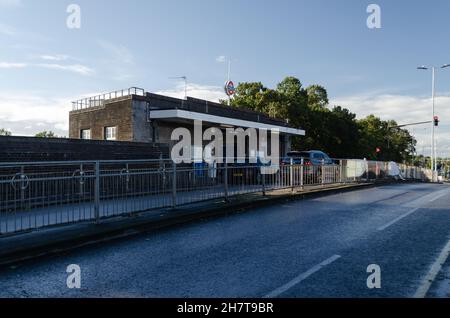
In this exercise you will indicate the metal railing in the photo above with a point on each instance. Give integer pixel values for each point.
(99, 100)
(38, 195)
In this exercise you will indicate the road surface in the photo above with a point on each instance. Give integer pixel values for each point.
(318, 247)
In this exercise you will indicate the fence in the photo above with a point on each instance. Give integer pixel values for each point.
(37, 195)
(99, 100)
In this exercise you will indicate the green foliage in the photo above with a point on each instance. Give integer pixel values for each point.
(334, 130)
(4, 132)
(46, 134)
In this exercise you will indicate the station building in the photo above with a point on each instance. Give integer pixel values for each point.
(134, 115)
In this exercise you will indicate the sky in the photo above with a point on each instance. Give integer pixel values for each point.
(44, 64)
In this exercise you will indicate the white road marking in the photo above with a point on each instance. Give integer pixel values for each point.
(438, 197)
(277, 292)
(384, 227)
(426, 199)
(434, 271)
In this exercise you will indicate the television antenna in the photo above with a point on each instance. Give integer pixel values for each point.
(184, 78)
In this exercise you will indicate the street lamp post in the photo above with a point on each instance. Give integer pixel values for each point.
(433, 92)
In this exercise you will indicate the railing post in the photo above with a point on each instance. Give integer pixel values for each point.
(97, 192)
(263, 182)
(174, 185)
(323, 172)
(366, 168)
(341, 171)
(302, 170)
(376, 170)
(225, 167)
(292, 174)
(81, 180)
(22, 188)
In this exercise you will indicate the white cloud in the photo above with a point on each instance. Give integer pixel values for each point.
(26, 113)
(10, 3)
(404, 110)
(211, 93)
(221, 59)
(75, 68)
(12, 65)
(56, 57)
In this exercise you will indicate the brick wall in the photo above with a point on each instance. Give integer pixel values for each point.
(27, 149)
(117, 113)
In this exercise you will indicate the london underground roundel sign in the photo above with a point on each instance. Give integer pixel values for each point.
(230, 90)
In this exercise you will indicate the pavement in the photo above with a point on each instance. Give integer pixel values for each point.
(62, 214)
(317, 247)
(47, 240)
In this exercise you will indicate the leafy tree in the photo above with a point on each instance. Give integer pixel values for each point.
(46, 134)
(4, 132)
(343, 133)
(334, 130)
(317, 97)
(254, 96)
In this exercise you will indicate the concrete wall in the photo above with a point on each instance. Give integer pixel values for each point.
(142, 128)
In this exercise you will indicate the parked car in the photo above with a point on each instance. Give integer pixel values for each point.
(318, 166)
(313, 157)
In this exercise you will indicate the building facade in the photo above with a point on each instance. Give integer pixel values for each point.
(134, 115)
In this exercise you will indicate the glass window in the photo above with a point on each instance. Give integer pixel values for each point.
(298, 154)
(111, 133)
(318, 155)
(85, 134)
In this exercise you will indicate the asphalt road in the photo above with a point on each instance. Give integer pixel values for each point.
(313, 248)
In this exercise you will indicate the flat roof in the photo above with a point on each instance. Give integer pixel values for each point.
(161, 107)
(183, 114)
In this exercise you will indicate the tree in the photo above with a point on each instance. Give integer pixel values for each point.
(317, 97)
(342, 133)
(4, 132)
(333, 130)
(254, 96)
(396, 144)
(46, 134)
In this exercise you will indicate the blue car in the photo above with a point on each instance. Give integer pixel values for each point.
(313, 157)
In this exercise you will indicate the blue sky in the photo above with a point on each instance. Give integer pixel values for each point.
(44, 65)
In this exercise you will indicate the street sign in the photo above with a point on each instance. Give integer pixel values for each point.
(230, 90)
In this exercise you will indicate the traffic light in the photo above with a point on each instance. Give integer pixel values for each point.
(378, 150)
(436, 121)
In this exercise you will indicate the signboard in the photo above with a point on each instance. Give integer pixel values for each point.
(230, 90)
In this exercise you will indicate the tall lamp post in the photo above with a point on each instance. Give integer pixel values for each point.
(433, 90)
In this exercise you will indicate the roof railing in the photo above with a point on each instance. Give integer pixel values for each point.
(99, 100)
